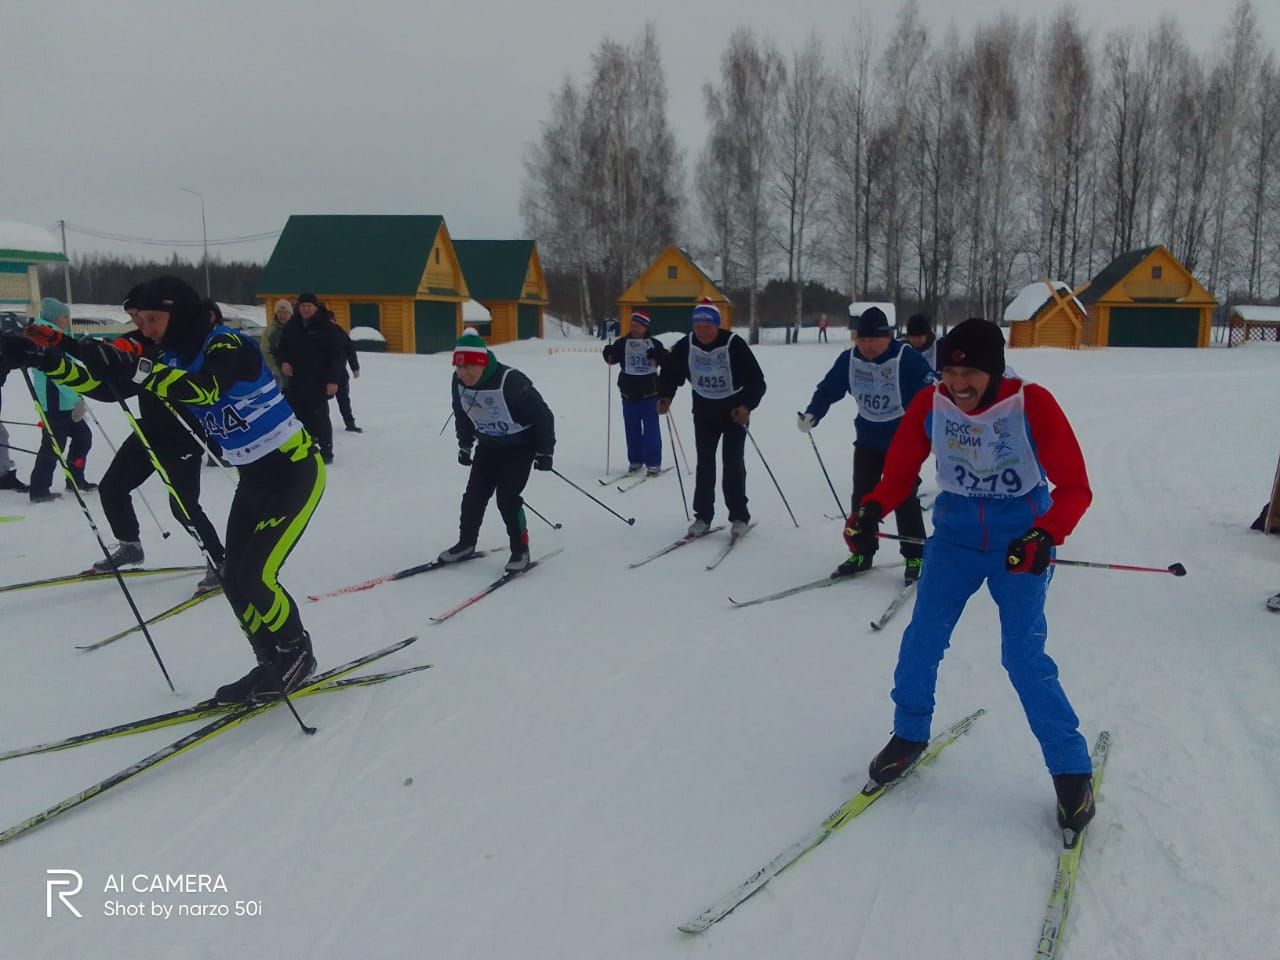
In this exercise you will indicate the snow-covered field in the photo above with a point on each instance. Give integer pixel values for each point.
(599, 753)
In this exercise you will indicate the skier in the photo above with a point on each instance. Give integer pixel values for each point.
(727, 385)
(174, 446)
(999, 443)
(220, 376)
(497, 409)
(639, 356)
(922, 338)
(63, 413)
(883, 377)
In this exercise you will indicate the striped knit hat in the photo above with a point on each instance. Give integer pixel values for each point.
(640, 317)
(470, 350)
(706, 312)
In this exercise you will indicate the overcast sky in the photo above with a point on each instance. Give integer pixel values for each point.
(273, 107)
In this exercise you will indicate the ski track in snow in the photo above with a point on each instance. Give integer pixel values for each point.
(598, 753)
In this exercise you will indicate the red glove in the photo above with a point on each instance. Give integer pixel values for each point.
(48, 337)
(861, 531)
(1030, 553)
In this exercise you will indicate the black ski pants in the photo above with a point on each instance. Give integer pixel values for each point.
(343, 397)
(130, 468)
(75, 440)
(713, 428)
(312, 410)
(868, 465)
(503, 470)
(272, 506)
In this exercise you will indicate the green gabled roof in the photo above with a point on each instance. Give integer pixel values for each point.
(1113, 273)
(352, 254)
(33, 256)
(494, 269)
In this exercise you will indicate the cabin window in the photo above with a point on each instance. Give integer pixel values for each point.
(437, 253)
(1156, 272)
(366, 315)
(671, 272)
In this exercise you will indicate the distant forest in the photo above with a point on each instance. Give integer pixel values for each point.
(106, 278)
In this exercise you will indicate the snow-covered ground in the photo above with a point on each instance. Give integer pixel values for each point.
(599, 753)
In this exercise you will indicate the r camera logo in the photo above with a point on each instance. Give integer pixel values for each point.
(55, 881)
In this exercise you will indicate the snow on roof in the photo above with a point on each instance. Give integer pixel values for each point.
(1031, 298)
(856, 309)
(475, 312)
(1256, 312)
(27, 238)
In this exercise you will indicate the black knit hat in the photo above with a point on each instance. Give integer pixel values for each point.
(131, 298)
(975, 343)
(919, 325)
(308, 298)
(873, 323)
(188, 324)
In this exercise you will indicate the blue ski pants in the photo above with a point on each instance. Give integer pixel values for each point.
(951, 575)
(644, 437)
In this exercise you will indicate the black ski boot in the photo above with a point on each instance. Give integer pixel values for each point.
(856, 564)
(10, 481)
(1075, 800)
(211, 580)
(459, 551)
(284, 666)
(126, 554)
(892, 762)
(519, 559)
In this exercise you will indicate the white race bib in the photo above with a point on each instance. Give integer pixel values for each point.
(636, 361)
(710, 373)
(489, 412)
(985, 455)
(875, 387)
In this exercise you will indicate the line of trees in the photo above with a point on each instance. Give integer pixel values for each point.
(941, 172)
(106, 278)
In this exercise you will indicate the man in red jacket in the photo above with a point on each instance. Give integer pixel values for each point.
(999, 443)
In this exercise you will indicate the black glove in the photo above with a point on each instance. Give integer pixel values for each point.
(464, 456)
(1030, 553)
(105, 362)
(542, 461)
(17, 351)
(861, 531)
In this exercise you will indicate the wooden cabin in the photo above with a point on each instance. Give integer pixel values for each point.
(1045, 314)
(1146, 298)
(506, 277)
(23, 249)
(668, 290)
(397, 274)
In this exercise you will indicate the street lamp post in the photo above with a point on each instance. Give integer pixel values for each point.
(208, 290)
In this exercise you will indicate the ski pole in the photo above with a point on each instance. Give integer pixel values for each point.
(818, 454)
(445, 426)
(629, 522)
(18, 423)
(608, 415)
(671, 422)
(772, 477)
(84, 507)
(10, 446)
(1177, 569)
(533, 510)
(114, 451)
(683, 499)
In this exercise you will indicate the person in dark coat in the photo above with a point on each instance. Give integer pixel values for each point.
(727, 385)
(312, 356)
(343, 396)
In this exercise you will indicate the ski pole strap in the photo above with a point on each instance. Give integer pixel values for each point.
(1177, 569)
